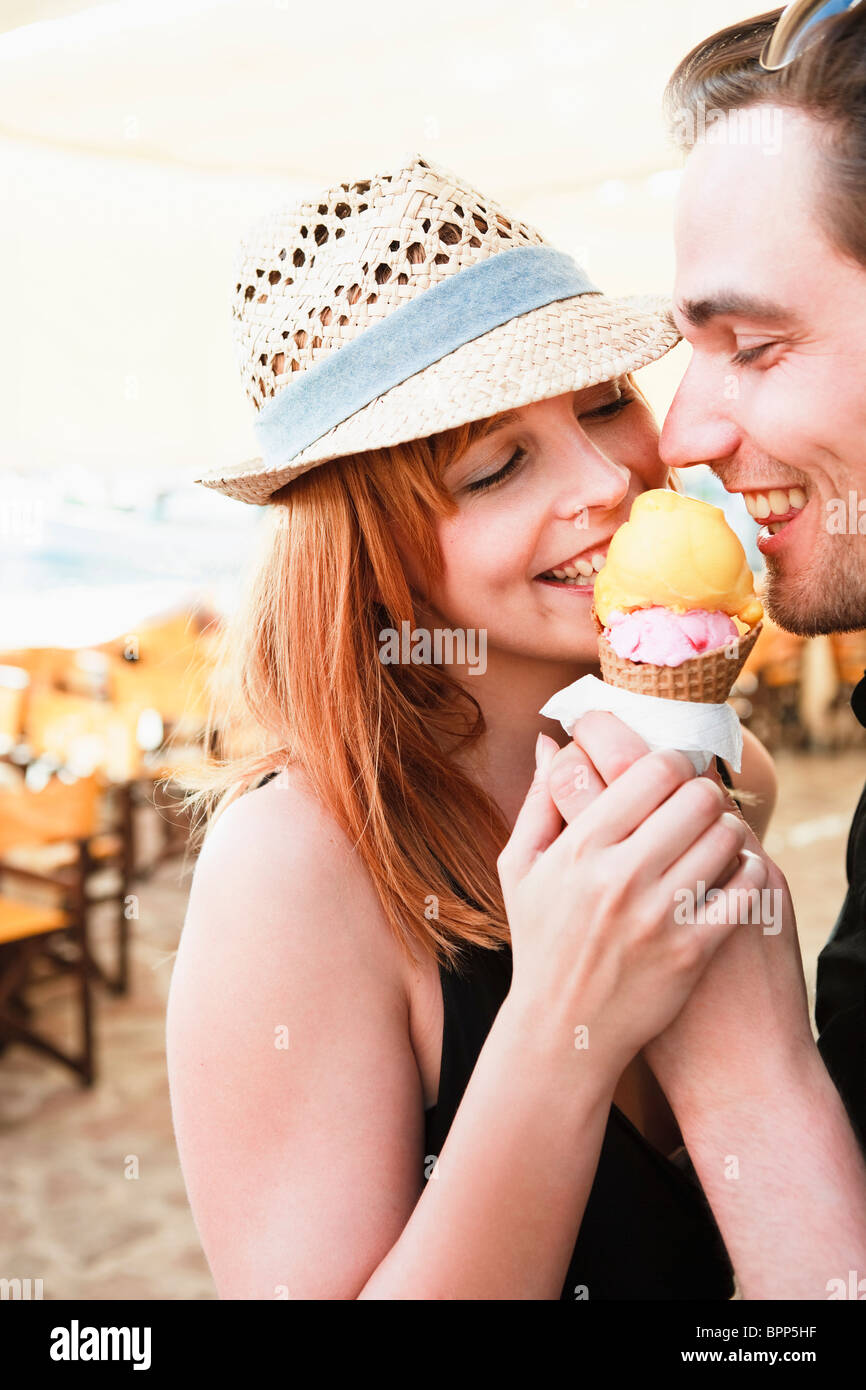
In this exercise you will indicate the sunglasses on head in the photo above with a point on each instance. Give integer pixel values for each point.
(794, 31)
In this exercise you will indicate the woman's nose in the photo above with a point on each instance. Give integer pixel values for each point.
(700, 426)
(596, 482)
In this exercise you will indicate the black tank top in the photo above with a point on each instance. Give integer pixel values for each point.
(647, 1230)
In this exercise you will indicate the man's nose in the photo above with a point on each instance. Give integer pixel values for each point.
(700, 426)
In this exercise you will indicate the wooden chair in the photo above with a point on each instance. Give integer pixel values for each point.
(87, 736)
(168, 684)
(158, 789)
(768, 690)
(31, 930)
(849, 649)
(175, 684)
(112, 739)
(82, 733)
(45, 665)
(776, 656)
(134, 720)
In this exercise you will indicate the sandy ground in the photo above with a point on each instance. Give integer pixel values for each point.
(72, 1214)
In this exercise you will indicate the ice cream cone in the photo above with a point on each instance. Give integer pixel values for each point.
(705, 679)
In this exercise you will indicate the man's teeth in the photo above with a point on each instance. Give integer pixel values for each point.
(776, 502)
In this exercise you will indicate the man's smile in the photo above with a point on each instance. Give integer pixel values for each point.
(775, 505)
(775, 508)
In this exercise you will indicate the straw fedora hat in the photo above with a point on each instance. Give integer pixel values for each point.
(404, 304)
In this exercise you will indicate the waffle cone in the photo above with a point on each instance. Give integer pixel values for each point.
(707, 679)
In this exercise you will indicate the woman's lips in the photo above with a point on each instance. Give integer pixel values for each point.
(585, 590)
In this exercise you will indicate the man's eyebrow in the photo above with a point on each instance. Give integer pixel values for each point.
(699, 312)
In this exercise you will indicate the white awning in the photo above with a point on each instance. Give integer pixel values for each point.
(138, 139)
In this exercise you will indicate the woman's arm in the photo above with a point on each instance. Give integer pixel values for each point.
(297, 1102)
(294, 1090)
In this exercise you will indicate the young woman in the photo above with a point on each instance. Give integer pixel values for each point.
(407, 1013)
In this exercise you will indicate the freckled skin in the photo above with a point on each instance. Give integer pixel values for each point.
(748, 222)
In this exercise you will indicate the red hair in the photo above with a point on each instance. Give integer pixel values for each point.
(300, 683)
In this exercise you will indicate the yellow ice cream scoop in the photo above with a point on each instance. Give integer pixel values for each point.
(678, 553)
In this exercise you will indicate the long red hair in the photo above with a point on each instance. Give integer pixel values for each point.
(299, 667)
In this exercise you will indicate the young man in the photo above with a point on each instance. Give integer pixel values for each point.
(771, 293)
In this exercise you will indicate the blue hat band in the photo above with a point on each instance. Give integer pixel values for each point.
(464, 306)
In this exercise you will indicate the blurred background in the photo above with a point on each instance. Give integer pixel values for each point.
(138, 139)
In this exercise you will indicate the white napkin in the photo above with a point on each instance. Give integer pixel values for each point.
(699, 731)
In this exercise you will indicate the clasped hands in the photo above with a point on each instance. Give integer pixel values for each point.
(749, 1004)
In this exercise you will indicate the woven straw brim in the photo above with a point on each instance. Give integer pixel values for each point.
(564, 346)
(707, 679)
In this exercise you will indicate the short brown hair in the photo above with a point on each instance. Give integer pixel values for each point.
(827, 82)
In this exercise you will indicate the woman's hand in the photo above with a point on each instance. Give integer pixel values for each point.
(595, 940)
(749, 1006)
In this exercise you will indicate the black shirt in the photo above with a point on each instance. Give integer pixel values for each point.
(840, 996)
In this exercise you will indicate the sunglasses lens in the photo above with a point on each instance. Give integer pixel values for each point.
(795, 30)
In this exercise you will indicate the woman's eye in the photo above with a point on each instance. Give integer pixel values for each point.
(604, 412)
(499, 477)
(746, 356)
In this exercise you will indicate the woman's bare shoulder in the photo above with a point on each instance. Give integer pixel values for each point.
(278, 846)
(285, 806)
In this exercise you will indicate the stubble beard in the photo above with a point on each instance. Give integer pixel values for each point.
(829, 596)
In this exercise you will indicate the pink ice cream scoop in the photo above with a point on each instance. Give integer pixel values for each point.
(664, 638)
